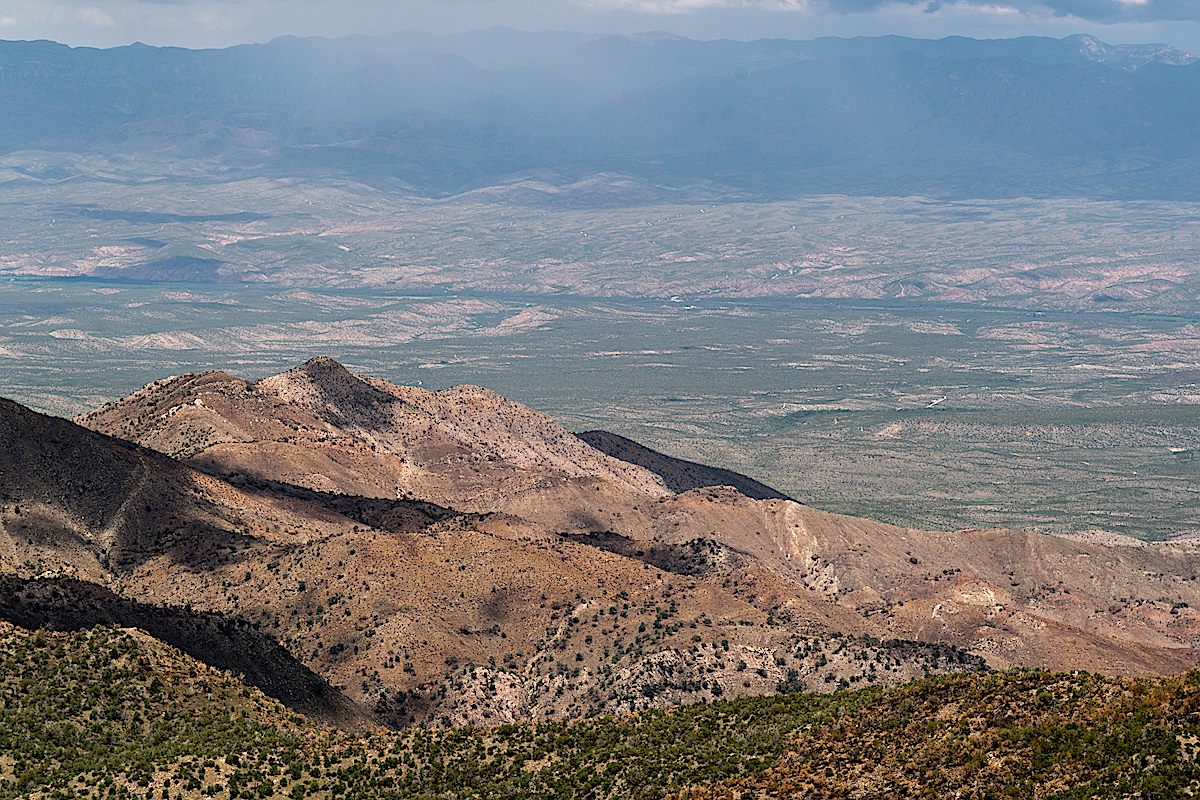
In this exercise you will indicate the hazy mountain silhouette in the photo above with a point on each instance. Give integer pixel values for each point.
(773, 118)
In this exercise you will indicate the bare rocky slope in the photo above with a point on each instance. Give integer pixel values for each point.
(455, 557)
(321, 427)
(414, 611)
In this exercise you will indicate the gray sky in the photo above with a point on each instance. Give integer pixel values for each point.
(204, 23)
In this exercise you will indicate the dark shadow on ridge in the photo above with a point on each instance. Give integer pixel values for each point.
(679, 475)
(393, 516)
(225, 642)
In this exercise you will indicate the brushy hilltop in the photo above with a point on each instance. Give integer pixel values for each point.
(113, 713)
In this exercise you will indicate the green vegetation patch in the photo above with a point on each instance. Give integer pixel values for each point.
(1015, 734)
(114, 714)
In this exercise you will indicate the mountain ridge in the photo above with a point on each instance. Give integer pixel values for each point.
(680, 475)
(478, 638)
(875, 569)
(453, 558)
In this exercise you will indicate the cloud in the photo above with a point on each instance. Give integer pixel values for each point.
(218, 23)
(95, 17)
(1121, 11)
(686, 6)
(1103, 11)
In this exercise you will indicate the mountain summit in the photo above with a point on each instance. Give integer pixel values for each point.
(322, 427)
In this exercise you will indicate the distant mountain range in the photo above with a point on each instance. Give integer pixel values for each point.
(436, 115)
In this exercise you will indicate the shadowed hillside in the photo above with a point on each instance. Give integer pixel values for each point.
(222, 642)
(679, 475)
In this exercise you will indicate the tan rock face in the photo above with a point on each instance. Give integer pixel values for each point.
(322, 427)
(455, 557)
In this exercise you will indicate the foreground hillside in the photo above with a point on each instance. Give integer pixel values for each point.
(113, 713)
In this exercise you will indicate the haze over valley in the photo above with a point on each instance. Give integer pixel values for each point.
(552, 414)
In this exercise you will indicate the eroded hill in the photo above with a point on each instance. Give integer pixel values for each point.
(453, 557)
(414, 611)
(322, 427)
(1015, 597)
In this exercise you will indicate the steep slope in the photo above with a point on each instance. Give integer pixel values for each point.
(82, 504)
(1014, 597)
(222, 642)
(120, 704)
(678, 474)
